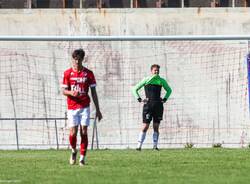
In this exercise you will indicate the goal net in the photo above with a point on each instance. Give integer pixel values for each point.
(209, 103)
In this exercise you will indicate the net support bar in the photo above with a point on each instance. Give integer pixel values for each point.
(125, 38)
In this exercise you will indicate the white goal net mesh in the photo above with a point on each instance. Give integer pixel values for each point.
(209, 103)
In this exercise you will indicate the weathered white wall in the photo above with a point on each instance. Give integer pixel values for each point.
(209, 80)
(125, 21)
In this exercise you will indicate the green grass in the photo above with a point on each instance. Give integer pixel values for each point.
(201, 166)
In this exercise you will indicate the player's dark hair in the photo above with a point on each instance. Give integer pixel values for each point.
(155, 66)
(78, 54)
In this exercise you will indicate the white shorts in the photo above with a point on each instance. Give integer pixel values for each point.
(79, 117)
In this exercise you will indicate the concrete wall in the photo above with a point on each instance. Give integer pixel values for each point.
(209, 79)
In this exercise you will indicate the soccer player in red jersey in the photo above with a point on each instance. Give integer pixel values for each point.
(76, 83)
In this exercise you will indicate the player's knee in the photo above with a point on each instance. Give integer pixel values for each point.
(84, 132)
(73, 132)
(145, 128)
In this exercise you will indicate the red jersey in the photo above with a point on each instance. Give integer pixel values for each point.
(78, 81)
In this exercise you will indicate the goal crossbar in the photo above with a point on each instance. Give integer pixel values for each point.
(124, 38)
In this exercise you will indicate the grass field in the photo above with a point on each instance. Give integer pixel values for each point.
(172, 166)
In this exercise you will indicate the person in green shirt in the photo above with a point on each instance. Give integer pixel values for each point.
(153, 104)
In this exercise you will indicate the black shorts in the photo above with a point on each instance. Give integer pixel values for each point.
(152, 110)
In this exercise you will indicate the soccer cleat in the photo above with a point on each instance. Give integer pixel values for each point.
(82, 162)
(155, 148)
(72, 159)
(138, 149)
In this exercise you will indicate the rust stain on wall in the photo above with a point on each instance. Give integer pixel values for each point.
(75, 13)
(198, 10)
(102, 11)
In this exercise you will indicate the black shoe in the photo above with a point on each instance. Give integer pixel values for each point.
(72, 159)
(155, 148)
(138, 149)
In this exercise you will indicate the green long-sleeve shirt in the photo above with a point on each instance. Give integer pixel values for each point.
(152, 85)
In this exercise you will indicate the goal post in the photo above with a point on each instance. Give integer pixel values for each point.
(208, 75)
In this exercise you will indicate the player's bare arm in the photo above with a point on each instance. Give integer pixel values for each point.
(96, 102)
(67, 92)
